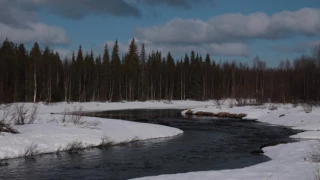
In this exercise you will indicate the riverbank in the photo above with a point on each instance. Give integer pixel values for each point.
(52, 132)
(289, 161)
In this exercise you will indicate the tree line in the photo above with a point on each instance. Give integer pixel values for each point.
(41, 75)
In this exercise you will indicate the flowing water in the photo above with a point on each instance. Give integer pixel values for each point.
(207, 144)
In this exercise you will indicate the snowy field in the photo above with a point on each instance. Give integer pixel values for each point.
(50, 134)
(289, 161)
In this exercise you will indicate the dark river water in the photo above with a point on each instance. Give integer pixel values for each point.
(207, 144)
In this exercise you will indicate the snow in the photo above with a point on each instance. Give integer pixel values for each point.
(289, 161)
(307, 135)
(49, 137)
(49, 134)
(284, 114)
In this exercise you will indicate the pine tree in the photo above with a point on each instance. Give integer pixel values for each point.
(35, 56)
(67, 79)
(7, 73)
(170, 67)
(132, 70)
(21, 82)
(115, 88)
(45, 75)
(186, 77)
(73, 82)
(106, 79)
(143, 72)
(98, 69)
(79, 73)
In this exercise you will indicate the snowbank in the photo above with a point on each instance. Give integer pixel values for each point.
(288, 160)
(287, 163)
(49, 134)
(277, 114)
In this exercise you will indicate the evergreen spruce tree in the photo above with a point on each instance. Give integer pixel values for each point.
(35, 56)
(115, 88)
(143, 73)
(106, 79)
(22, 81)
(133, 70)
(79, 75)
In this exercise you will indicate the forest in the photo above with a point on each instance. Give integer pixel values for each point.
(41, 75)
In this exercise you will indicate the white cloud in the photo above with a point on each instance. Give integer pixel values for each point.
(34, 32)
(226, 35)
(22, 26)
(235, 27)
(230, 49)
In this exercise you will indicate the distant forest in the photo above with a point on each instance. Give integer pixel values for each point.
(41, 75)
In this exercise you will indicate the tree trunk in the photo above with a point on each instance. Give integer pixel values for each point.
(160, 88)
(35, 82)
(111, 89)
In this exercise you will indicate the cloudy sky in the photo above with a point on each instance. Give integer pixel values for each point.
(226, 29)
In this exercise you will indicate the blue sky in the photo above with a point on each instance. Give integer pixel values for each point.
(226, 29)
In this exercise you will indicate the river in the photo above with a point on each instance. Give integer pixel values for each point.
(207, 144)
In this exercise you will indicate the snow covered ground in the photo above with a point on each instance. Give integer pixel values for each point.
(289, 161)
(282, 114)
(49, 133)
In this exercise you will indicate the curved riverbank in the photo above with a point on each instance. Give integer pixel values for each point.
(288, 161)
(206, 144)
(50, 133)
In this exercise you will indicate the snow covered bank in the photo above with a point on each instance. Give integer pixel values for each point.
(288, 162)
(52, 136)
(49, 133)
(277, 114)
